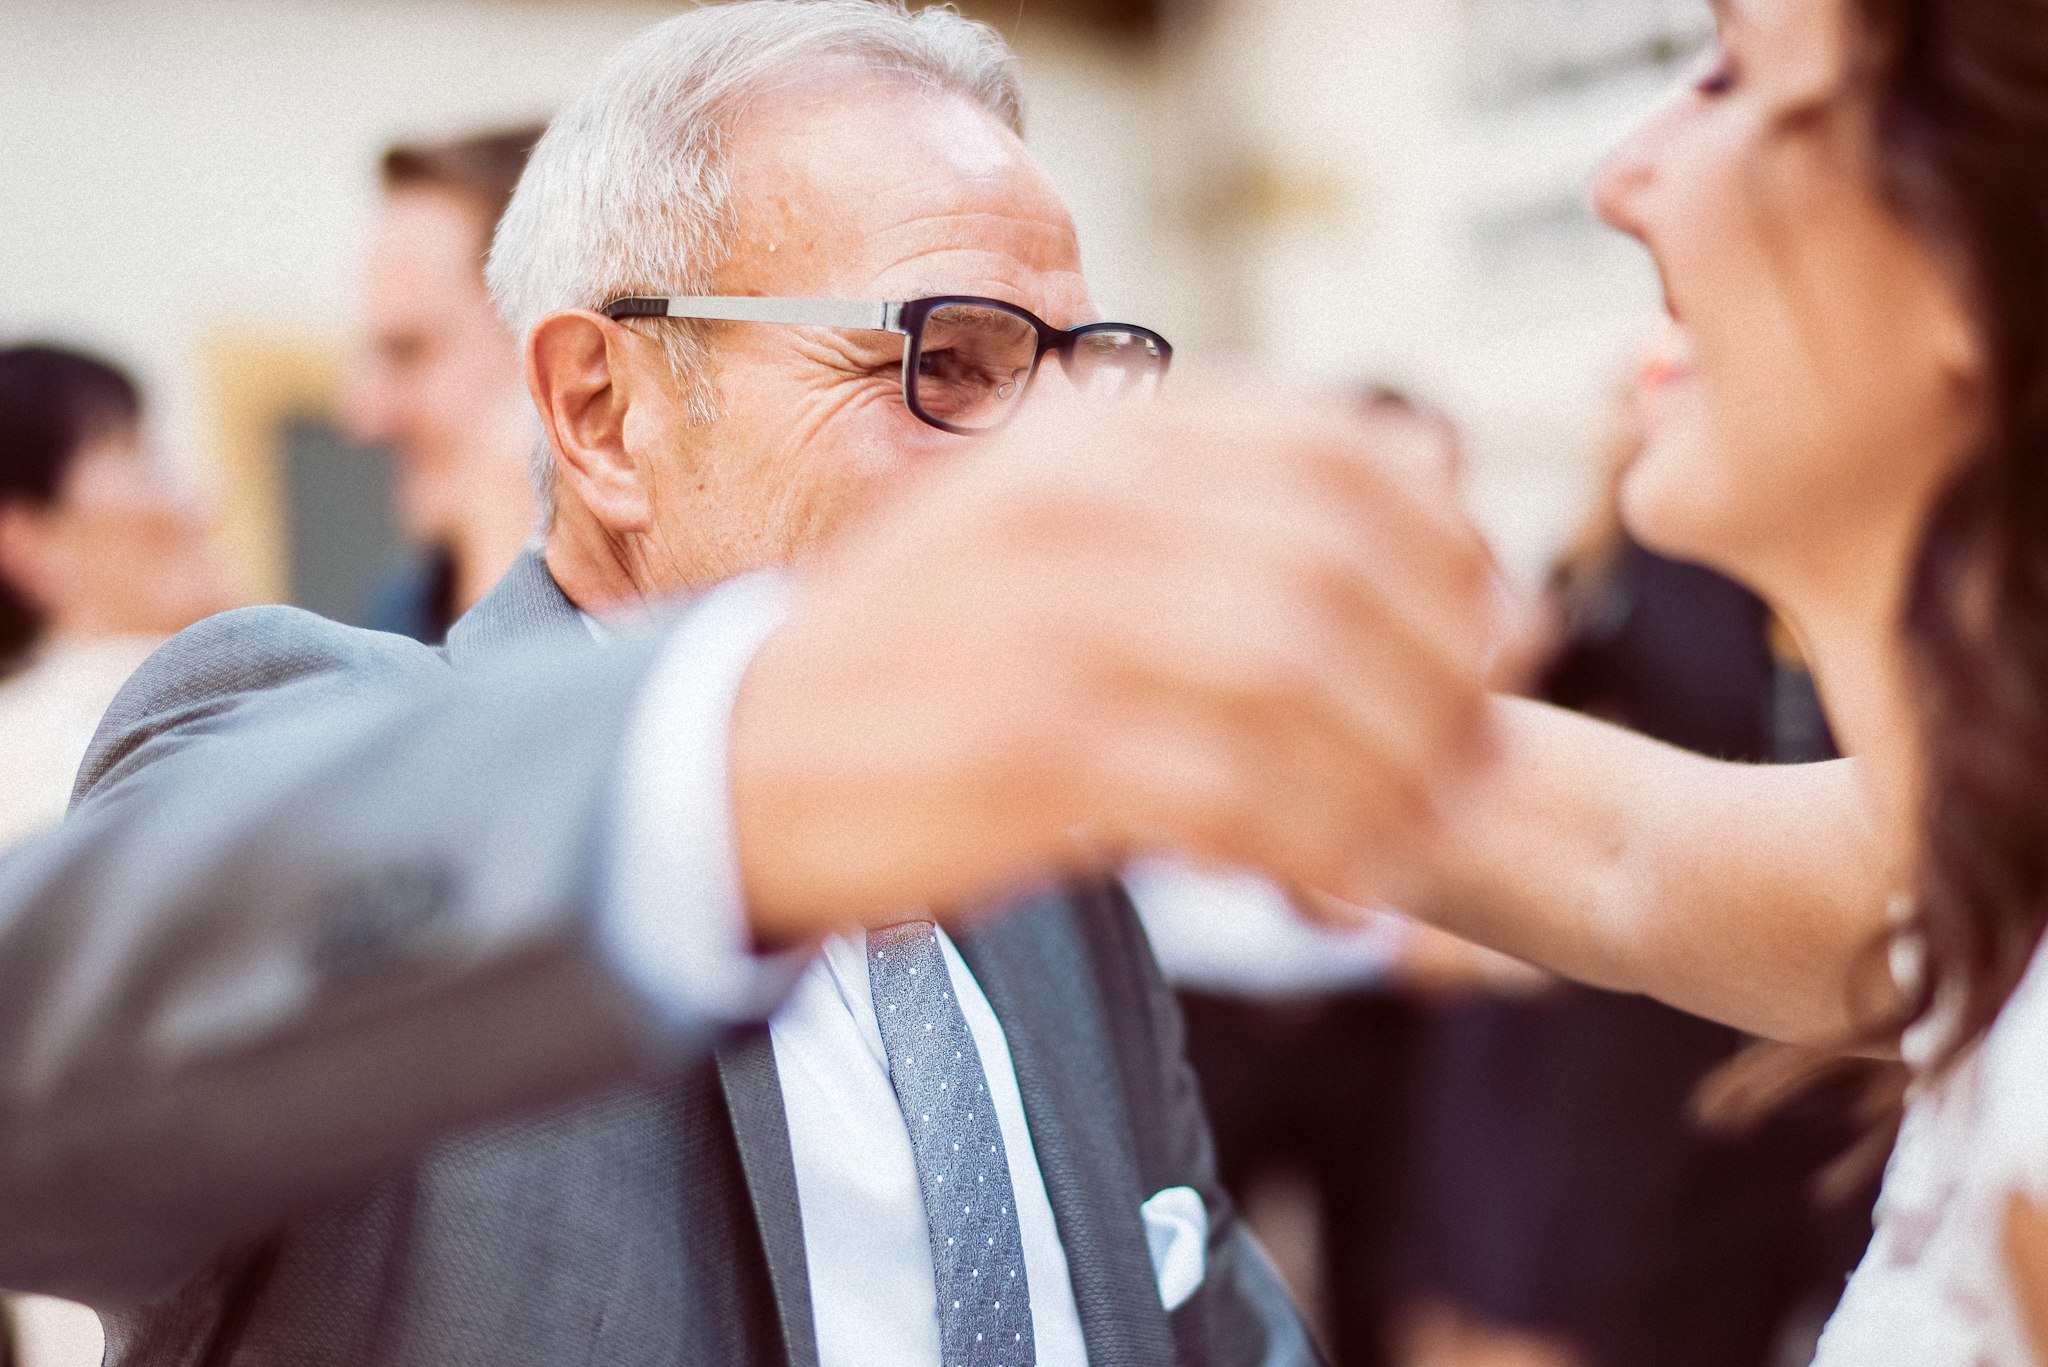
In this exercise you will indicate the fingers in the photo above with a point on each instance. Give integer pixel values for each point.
(1294, 676)
(1197, 627)
(1378, 491)
(1281, 768)
(1272, 799)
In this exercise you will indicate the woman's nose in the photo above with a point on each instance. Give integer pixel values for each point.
(1626, 173)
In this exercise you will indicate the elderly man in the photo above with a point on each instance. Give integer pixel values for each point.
(381, 1006)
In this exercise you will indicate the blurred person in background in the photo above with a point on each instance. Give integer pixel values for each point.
(102, 557)
(438, 380)
(455, 1031)
(1566, 1206)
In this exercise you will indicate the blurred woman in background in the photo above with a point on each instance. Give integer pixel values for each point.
(102, 556)
(1565, 1208)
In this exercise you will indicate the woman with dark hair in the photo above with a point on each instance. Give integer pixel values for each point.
(101, 557)
(1849, 211)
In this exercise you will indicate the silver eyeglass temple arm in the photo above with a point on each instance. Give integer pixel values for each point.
(830, 313)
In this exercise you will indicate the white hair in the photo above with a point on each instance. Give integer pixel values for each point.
(629, 191)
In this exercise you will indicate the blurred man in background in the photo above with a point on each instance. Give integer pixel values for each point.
(1304, 1037)
(438, 381)
(102, 556)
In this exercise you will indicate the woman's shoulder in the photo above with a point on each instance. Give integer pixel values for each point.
(2014, 1080)
(2023, 1024)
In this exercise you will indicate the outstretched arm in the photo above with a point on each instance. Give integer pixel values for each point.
(1748, 894)
(324, 902)
(321, 902)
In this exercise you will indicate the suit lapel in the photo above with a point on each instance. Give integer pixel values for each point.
(753, 1096)
(1035, 971)
(528, 606)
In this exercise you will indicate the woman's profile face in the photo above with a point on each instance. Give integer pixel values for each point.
(1821, 379)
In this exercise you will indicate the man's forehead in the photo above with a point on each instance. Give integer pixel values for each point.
(432, 222)
(844, 188)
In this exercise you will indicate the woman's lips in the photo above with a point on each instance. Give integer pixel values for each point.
(1669, 362)
(1661, 375)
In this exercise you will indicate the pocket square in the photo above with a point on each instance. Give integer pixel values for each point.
(1177, 1233)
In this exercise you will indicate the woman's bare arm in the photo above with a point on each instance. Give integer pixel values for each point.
(1747, 894)
(2026, 1255)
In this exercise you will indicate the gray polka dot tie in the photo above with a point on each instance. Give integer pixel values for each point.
(984, 1296)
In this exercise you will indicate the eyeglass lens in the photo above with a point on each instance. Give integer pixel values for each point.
(974, 364)
(1111, 363)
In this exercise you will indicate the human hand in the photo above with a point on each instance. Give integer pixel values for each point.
(1200, 627)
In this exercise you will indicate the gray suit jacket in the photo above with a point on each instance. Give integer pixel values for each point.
(309, 1053)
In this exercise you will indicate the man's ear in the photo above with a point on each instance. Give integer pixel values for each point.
(578, 368)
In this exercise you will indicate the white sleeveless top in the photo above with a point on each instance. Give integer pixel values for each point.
(1935, 1290)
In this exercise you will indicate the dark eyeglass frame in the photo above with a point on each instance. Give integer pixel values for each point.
(907, 317)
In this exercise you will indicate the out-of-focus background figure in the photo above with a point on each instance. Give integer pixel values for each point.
(1462, 1162)
(102, 556)
(438, 383)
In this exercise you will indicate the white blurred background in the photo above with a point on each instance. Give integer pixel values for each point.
(1344, 190)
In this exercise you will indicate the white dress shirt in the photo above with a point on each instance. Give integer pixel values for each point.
(865, 1240)
(1235, 934)
(676, 924)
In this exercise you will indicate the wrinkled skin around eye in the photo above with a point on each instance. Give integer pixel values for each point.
(865, 187)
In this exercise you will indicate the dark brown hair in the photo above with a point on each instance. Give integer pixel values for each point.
(1958, 92)
(483, 168)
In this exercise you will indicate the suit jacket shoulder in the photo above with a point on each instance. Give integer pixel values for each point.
(236, 663)
(322, 899)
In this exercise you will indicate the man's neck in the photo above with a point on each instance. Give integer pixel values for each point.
(594, 569)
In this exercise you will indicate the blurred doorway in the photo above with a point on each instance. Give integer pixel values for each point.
(308, 513)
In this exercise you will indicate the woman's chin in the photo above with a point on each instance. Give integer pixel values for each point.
(1671, 502)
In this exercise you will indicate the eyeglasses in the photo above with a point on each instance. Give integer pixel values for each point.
(967, 362)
